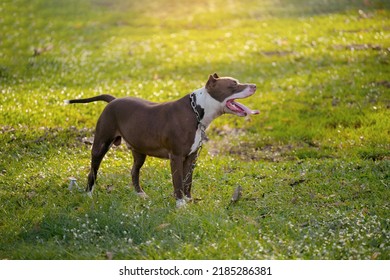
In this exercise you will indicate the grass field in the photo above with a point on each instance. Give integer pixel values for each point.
(314, 165)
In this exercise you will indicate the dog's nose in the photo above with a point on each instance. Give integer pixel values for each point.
(253, 86)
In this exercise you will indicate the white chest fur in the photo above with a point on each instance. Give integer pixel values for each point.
(197, 140)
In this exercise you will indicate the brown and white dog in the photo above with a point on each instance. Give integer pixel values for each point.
(171, 130)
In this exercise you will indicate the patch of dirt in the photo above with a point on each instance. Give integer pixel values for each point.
(231, 143)
(385, 84)
(58, 135)
(236, 142)
(278, 53)
(273, 153)
(360, 47)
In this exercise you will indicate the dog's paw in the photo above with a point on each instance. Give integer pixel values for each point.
(142, 195)
(180, 203)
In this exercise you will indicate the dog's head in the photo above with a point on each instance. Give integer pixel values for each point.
(226, 90)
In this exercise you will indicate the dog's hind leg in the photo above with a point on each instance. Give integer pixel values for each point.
(101, 144)
(139, 160)
(99, 150)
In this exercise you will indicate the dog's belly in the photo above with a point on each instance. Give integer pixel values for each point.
(158, 152)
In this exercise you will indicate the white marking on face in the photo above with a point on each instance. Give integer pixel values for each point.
(248, 91)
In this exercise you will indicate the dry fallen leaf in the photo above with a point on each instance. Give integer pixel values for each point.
(237, 194)
(162, 226)
(109, 188)
(109, 255)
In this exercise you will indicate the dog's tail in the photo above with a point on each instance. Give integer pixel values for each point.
(104, 97)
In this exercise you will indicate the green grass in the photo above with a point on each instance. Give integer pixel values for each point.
(314, 165)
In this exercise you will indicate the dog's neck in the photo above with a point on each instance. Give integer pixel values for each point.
(208, 108)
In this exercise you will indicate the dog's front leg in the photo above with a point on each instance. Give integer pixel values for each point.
(189, 164)
(139, 160)
(177, 178)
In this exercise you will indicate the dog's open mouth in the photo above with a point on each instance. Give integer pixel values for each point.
(240, 109)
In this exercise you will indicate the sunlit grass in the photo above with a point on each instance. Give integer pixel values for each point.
(313, 165)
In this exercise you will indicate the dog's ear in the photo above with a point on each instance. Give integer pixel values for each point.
(211, 81)
(215, 75)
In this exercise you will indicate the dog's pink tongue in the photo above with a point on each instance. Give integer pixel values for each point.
(247, 110)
